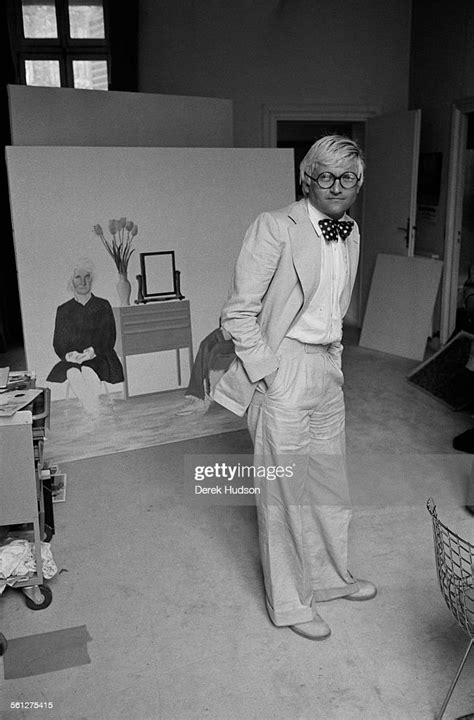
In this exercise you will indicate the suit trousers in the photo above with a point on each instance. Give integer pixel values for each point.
(304, 509)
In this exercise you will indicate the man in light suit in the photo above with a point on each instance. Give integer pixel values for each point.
(291, 289)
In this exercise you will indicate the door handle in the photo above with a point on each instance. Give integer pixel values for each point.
(406, 230)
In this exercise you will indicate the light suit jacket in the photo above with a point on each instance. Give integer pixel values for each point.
(276, 275)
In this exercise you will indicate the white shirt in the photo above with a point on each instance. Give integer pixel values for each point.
(321, 322)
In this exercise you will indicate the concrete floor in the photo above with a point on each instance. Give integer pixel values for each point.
(171, 594)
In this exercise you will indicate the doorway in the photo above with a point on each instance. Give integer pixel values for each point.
(459, 232)
(300, 134)
(466, 247)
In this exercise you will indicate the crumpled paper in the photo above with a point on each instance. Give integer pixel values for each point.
(17, 560)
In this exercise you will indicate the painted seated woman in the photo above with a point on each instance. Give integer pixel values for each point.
(84, 339)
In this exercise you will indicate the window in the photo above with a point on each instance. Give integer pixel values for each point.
(61, 43)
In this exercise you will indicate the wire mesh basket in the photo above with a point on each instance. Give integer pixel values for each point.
(455, 568)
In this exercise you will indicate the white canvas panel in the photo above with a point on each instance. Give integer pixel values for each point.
(197, 202)
(400, 305)
(66, 116)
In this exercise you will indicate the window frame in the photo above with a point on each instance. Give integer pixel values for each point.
(63, 48)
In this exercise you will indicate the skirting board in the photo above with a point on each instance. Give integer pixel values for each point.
(400, 305)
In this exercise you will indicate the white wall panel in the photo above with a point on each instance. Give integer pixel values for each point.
(63, 116)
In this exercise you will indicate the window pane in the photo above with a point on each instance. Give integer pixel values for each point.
(86, 19)
(90, 74)
(39, 19)
(43, 72)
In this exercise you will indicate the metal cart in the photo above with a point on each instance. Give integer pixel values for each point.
(22, 510)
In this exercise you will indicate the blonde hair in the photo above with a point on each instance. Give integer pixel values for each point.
(329, 150)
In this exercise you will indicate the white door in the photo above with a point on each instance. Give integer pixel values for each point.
(392, 151)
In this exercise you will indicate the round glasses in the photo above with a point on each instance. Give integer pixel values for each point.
(326, 180)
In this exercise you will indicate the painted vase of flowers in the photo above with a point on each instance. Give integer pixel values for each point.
(124, 289)
(120, 250)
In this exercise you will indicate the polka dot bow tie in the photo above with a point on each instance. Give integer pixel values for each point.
(334, 229)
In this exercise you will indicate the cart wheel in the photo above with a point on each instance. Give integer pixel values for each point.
(3, 644)
(38, 597)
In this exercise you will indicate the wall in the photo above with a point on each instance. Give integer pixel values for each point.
(62, 116)
(196, 201)
(352, 52)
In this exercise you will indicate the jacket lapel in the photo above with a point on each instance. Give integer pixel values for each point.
(306, 249)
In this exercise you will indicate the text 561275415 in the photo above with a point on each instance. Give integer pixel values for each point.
(31, 705)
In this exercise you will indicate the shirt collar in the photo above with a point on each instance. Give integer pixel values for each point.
(82, 299)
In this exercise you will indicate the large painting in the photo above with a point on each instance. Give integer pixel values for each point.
(196, 202)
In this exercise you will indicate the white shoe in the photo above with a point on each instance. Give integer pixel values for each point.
(366, 591)
(315, 629)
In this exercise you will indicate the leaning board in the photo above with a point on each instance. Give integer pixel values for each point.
(445, 375)
(400, 305)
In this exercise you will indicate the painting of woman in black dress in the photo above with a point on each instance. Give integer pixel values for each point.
(84, 339)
